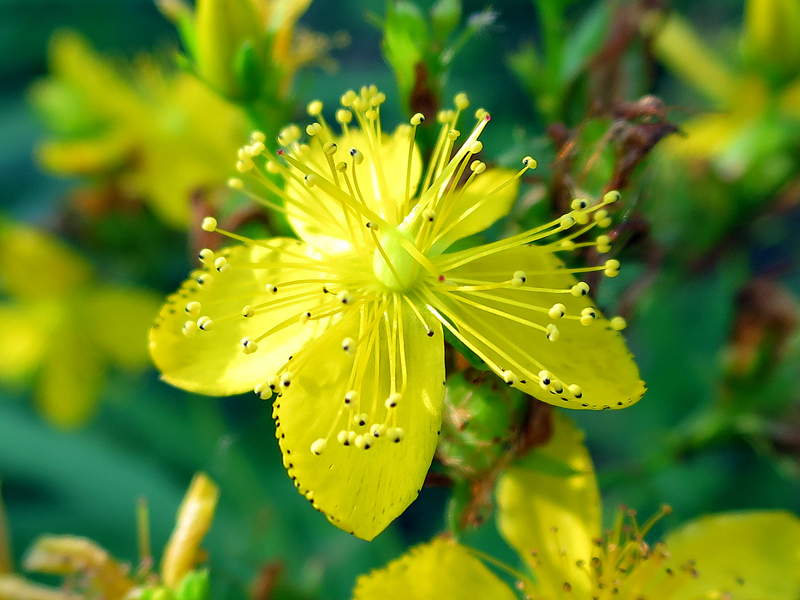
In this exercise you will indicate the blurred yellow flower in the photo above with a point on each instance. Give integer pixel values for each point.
(94, 573)
(346, 326)
(748, 101)
(163, 134)
(549, 511)
(61, 328)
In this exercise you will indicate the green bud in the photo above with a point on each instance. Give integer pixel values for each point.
(194, 586)
(405, 42)
(222, 28)
(445, 16)
(162, 593)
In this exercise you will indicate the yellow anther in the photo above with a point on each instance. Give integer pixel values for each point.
(477, 167)
(575, 390)
(612, 268)
(346, 297)
(362, 442)
(222, 265)
(417, 119)
(371, 115)
(557, 386)
(349, 345)
(235, 183)
(341, 166)
(567, 245)
(378, 99)
(429, 215)
(481, 114)
(461, 101)
(579, 204)
(520, 275)
(206, 255)
(343, 438)
(257, 148)
(552, 332)
(193, 309)
(243, 166)
(272, 289)
(358, 157)
(311, 180)
(273, 167)
(205, 281)
(304, 317)
(248, 345)
(545, 377)
(618, 323)
(600, 215)
(378, 430)
(347, 98)
(603, 240)
(588, 315)
(351, 398)
(314, 108)
(318, 447)
(258, 136)
(286, 379)
(566, 221)
(453, 134)
(189, 328)
(445, 116)
(581, 218)
(395, 434)
(344, 116)
(476, 147)
(209, 224)
(580, 289)
(263, 391)
(604, 223)
(510, 377)
(393, 400)
(611, 197)
(273, 382)
(557, 311)
(530, 162)
(361, 419)
(372, 225)
(329, 148)
(205, 323)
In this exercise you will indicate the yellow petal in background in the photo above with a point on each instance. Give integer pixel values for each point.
(70, 379)
(486, 200)
(772, 33)
(362, 487)
(86, 156)
(594, 357)
(440, 570)
(193, 522)
(117, 319)
(34, 264)
(549, 510)
(748, 555)
(23, 343)
(212, 362)
(678, 46)
(14, 587)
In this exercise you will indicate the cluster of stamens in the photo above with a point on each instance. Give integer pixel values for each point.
(390, 258)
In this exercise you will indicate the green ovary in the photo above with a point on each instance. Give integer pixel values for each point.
(404, 270)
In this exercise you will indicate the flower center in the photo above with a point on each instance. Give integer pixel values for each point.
(392, 264)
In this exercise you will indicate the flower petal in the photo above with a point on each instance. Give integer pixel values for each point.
(542, 509)
(362, 490)
(23, 344)
(488, 198)
(118, 319)
(752, 555)
(441, 569)
(212, 362)
(594, 357)
(381, 180)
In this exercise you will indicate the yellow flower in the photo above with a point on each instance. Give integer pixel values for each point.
(62, 328)
(748, 100)
(346, 326)
(150, 129)
(551, 516)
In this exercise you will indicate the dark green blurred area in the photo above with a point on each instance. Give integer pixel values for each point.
(673, 447)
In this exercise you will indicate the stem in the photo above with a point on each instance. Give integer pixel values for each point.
(6, 564)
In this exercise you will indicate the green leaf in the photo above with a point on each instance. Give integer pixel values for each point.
(405, 42)
(585, 40)
(445, 16)
(543, 463)
(248, 71)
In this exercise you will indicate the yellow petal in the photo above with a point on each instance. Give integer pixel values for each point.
(593, 357)
(544, 509)
(212, 362)
(439, 570)
(706, 137)
(36, 265)
(743, 555)
(362, 490)
(790, 99)
(14, 587)
(71, 555)
(193, 522)
(84, 157)
(70, 379)
(772, 32)
(488, 198)
(118, 320)
(23, 343)
(677, 45)
(381, 180)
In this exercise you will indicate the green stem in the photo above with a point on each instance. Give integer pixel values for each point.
(6, 564)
